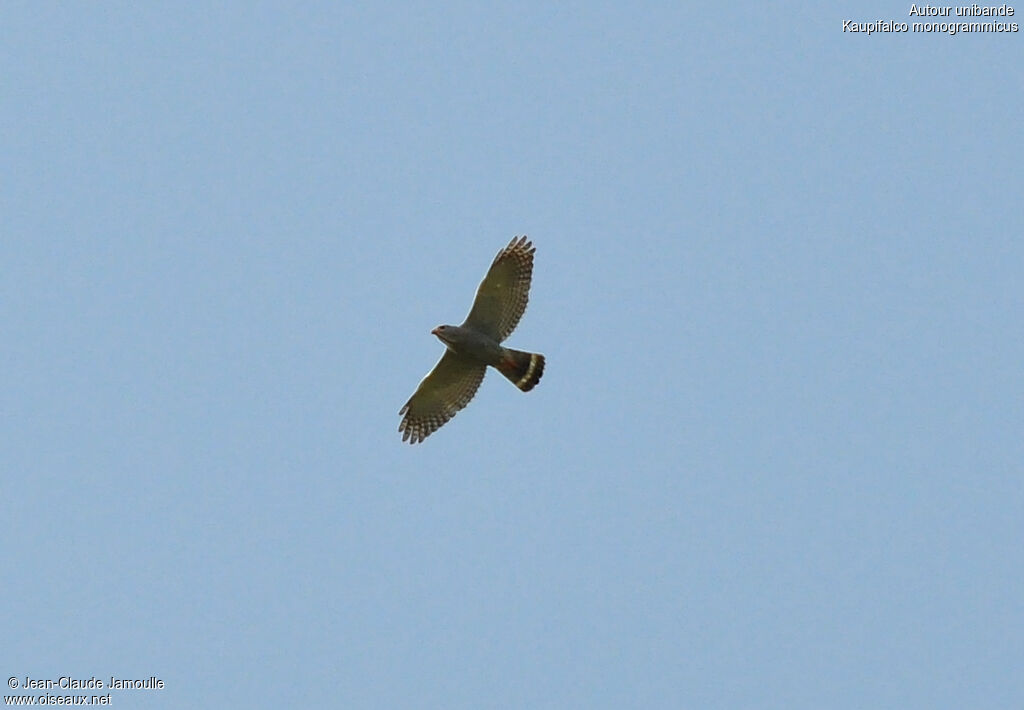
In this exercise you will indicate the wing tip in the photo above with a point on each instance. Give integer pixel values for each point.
(521, 244)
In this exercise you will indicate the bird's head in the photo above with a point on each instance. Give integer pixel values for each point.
(446, 333)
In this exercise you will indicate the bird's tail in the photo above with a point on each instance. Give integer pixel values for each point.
(522, 369)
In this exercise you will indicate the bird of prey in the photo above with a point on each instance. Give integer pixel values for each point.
(471, 347)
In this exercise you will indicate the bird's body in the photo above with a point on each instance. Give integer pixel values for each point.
(523, 369)
(476, 344)
(471, 343)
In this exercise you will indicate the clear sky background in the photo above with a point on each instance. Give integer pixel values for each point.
(777, 456)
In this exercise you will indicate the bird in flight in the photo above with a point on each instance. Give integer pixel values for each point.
(500, 303)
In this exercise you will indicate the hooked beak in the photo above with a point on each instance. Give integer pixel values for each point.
(436, 331)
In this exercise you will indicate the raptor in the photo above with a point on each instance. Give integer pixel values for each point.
(476, 344)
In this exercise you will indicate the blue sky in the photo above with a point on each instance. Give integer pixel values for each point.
(776, 457)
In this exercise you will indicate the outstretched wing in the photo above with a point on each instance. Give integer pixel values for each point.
(444, 391)
(503, 294)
